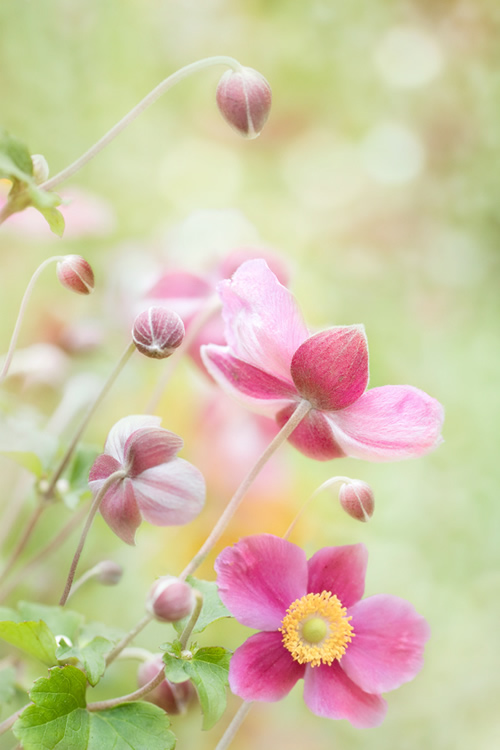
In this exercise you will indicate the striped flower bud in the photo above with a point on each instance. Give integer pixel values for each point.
(75, 274)
(157, 332)
(244, 100)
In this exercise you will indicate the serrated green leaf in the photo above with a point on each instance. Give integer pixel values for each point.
(131, 726)
(60, 621)
(175, 667)
(7, 684)
(212, 609)
(34, 638)
(91, 656)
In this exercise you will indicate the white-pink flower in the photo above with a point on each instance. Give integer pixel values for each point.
(158, 487)
(271, 363)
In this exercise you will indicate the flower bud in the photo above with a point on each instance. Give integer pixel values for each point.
(76, 274)
(40, 168)
(170, 599)
(357, 500)
(157, 332)
(109, 573)
(244, 100)
(172, 697)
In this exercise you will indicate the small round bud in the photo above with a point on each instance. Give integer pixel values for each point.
(357, 500)
(109, 573)
(244, 100)
(170, 599)
(157, 332)
(172, 697)
(40, 168)
(76, 274)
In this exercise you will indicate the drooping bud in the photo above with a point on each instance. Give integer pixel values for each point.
(157, 332)
(172, 697)
(170, 599)
(40, 168)
(244, 100)
(356, 498)
(109, 573)
(76, 274)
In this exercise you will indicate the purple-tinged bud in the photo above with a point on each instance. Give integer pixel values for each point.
(244, 100)
(76, 274)
(170, 599)
(172, 697)
(40, 168)
(109, 573)
(157, 332)
(356, 498)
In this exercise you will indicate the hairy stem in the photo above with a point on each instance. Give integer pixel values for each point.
(233, 727)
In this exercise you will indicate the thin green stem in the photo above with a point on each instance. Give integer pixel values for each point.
(153, 95)
(186, 633)
(135, 696)
(24, 539)
(128, 638)
(233, 727)
(329, 483)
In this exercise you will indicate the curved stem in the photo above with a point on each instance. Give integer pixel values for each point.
(136, 695)
(233, 727)
(128, 638)
(324, 486)
(24, 539)
(153, 95)
(10, 720)
(22, 310)
(298, 415)
(186, 633)
(93, 510)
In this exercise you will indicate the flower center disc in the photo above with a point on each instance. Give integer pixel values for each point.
(316, 630)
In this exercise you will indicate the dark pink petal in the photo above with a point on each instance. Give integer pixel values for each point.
(330, 369)
(259, 577)
(329, 692)
(387, 649)
(262, 669)
(253, 387)
(264, 326)
(388, 424)
(313, 436)
(171, 494)
(123, 429)
(148, 447)
(119, 510)
(102, 468)
(340, 570)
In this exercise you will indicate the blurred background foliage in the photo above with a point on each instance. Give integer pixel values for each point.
(376, 177)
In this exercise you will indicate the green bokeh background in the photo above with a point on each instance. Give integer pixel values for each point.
(414, 257)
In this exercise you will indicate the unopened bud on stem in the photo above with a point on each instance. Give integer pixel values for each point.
(170, 599)
(244, 100)
(76, 274)
(157, 332)
(109, 573)
(356, 498)
(172, 697)
(40, 168)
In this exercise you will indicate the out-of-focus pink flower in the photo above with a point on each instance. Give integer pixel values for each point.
(160, 487)
(315, 627)
(271, 363)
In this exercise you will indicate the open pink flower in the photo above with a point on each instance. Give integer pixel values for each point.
(315, 627)
(271, 363)
(160, 487)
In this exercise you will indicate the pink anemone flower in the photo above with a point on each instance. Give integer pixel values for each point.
(315, 627)
(159, 487)
(271, 363)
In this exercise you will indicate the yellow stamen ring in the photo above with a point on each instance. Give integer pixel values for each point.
(316, 630)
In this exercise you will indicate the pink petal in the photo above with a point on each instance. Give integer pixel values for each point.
(171, 494)
(236, 258)
(148, 447)
(182, 291)
(122, 430)
(119, 510)
(250, 385)
(263, 323)
(262, 669)
(258, 579)
(329, 692)
(313, 436)
(388, 424)
(101, 469)
(340, 570)
(330, 369)
(387, 649)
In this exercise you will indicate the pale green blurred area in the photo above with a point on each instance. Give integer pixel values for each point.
(377, 176)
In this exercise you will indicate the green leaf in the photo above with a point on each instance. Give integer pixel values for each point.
(27, 460)
(93, 629)
(91, 656)
(136, 726)
(54, 219)
(60, 621)
(6, 613)
(23, 442)
(7, 684)
(15, 158)
(34, 638)
(212, 609)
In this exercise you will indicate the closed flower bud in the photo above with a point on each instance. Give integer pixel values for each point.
(357, 500)
(40, 168)
(76, 274)
(157, 332)
(170, 599)
(244, 100)
(172, 697)
(109, 573)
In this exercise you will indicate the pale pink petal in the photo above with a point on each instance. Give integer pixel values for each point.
(340, 570)
(148, 447)
(388, 424)
(264, 326)
(252, 386)
(313, 436)
(119, 510)
(170, 494)
(184, 292)
(387, 648)
(262, 669)
(101, 469)
(329, 692)
(121, 431)
(330, 369)
(259, 577)
(230, 264)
